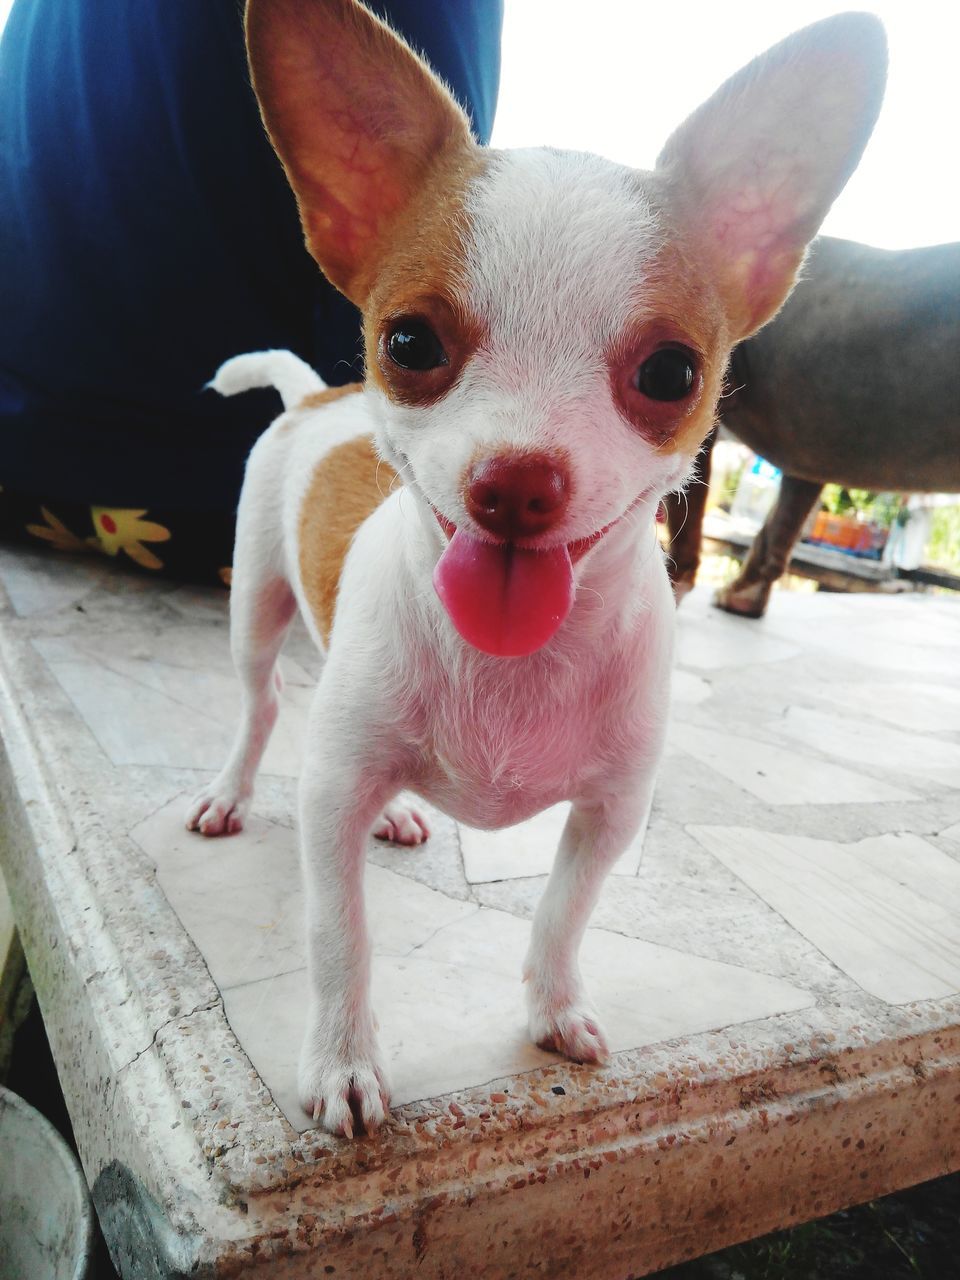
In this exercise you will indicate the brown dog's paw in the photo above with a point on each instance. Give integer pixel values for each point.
(749, 600)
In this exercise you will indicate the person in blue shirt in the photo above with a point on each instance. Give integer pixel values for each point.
(147, 233)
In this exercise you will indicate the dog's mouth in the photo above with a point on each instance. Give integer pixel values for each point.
(577, 549)
(504, 598)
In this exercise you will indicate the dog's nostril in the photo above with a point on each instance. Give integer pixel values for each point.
(486, 498)
(517, 497)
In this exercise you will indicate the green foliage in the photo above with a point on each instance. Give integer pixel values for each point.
(723, 485)
(943, 549)
(879, 507)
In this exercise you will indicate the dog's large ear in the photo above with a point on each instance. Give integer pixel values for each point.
(752, 173)
(357, 120)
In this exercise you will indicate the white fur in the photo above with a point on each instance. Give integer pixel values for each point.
(563, 254)
(411, 705)
(281, 369)
(560, 247)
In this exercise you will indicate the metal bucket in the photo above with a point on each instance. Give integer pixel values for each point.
(46, 1218)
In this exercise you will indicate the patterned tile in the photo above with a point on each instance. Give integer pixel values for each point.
(528, 848)
(920, 707)
(241, 900)
(175, 707)
(451, 1010)
(886, 910)
(40, 583)
(856, 741)
(778, 776)
(717, 641)
(689, 690)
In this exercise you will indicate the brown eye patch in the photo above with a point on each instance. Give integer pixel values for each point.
(421, 350)
(420, 279)
(657, 378)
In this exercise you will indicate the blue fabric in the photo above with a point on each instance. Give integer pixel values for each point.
(147, 233)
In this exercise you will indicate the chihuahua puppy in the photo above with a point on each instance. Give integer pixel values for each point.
(470, 536)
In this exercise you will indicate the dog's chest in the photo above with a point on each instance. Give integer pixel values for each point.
(495, 751)
(491, 775)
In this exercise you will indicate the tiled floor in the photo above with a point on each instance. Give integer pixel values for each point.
(798, 883)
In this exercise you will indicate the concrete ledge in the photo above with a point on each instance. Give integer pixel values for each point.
(679, 1146)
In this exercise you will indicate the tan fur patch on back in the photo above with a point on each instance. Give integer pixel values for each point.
(348, 484)
(317, 399)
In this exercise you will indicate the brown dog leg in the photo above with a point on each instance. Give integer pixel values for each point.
(685, 524)
(770, 554)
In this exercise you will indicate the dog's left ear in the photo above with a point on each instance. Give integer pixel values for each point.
(358, 120)
(751, 174)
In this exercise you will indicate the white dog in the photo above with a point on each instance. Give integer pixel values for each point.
(470, 536)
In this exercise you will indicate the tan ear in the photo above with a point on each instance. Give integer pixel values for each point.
(357, 120)
(753, 171)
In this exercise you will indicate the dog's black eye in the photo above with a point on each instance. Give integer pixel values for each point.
(669, 374)
(412, 344)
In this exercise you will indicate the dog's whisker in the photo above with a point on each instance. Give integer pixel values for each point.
(682, 493)
(592, 591)
(377, 480)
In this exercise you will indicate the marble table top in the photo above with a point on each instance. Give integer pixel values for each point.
(777, 958)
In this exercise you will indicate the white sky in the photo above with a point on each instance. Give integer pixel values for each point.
(616, 76)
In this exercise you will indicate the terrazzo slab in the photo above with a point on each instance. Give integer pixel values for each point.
(255, 929)
(34, 585)
(919, 706)
(689, 689)
(939, 631)
(170, 705)
(781, 777)
(932, 759)
(447, 972)
(719, 641)
(528, 848)
(886, 910)
(450, 1006)
(868, 647)
(786, 1037)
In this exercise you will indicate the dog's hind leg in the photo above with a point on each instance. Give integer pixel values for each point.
(262, 606)
(401, 823)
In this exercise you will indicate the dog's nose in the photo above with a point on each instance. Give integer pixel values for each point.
(518, 497)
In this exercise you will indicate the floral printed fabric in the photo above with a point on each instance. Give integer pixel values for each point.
(185, 545)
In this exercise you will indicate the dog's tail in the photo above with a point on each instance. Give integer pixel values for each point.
(291, 376)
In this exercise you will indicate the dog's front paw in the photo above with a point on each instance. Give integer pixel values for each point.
(400, 823)
(345, 1094)
(571, 1029)
(218, 811)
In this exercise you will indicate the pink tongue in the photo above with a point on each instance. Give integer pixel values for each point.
(504, 600)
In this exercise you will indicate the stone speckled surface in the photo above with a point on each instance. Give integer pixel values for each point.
(777, 962)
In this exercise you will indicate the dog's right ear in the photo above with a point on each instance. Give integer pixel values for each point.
(357, 119)
(753, 171)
